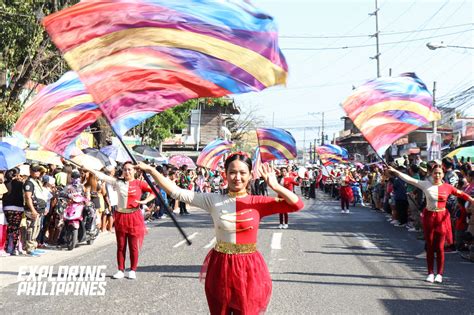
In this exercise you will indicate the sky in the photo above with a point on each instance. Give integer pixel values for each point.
(320, 77)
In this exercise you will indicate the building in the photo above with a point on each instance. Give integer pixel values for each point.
(207, 123)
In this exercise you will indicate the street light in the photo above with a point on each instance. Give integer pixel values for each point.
(436, 45)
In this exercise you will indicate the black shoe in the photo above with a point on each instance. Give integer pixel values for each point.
(187, 213)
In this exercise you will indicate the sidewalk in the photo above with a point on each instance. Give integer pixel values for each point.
(10, 265)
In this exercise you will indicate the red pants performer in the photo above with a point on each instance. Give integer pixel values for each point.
(128, 219)
(436, 219)
(437, 231)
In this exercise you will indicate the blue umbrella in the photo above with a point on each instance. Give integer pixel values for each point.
(10, 156)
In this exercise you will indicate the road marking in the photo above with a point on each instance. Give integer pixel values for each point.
(276, 241)
(211, 243)
(184, 241)
(365, 242)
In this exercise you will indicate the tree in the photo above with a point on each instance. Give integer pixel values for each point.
(26, 53)
(243, 128)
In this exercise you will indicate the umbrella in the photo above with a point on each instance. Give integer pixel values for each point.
(89, 161)
(465, 152)
(98, 155)
(44, 156)
(147, 151)
(180, 160)
(10, 156)
(116, 153)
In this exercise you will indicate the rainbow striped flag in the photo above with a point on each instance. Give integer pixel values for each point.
(386, 109)
(332, 154)
(213, 153)
(276, 144)
(140, 57)
(57, 115)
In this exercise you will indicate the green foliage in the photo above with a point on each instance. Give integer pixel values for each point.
(159, 127)
(26, 53)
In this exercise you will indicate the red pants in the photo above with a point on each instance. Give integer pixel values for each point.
(437, 230)
(129, 228)
(3, 236)
(133, 241)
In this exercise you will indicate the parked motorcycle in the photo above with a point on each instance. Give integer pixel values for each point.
(79, 222)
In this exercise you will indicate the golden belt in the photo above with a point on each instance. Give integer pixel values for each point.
(436, 209)
(231, 248)
(127, 210)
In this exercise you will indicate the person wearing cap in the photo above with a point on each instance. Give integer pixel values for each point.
(35, 205)
(436, 220)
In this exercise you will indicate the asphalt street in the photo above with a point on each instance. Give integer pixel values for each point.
(325, 263)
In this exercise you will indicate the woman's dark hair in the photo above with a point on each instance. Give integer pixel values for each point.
(414, 168)
(11, 173)
(128, 162)
(434, 167)
(241, 157)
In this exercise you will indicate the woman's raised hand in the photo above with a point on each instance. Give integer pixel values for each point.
(268, 174)
(144, 167)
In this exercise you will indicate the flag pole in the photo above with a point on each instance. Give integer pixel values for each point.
(155, 191)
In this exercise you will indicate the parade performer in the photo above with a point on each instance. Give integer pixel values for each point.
(237, 279)
(288, 181)
(345, 190)
(436, 220)
(128, 219)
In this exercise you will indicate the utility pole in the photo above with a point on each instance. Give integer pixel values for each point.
(435, 124)
(322, 127)
(322, 131)
(376, 35)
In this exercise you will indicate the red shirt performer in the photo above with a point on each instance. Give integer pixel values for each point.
(436, 220)
(288, 181)
(237, 280)
(128, 219)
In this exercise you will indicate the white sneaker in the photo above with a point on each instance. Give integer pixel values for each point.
(280, 226)
(118, 275)
(285, 226)
(362, 204)
(347, 211)
(430, 278)
(132, 275)
(343, 211)
(394, 222)
(438, 278)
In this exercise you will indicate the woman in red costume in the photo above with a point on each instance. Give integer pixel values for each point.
(436, 220)
(237, 280)
(128, 219)
(346, 190)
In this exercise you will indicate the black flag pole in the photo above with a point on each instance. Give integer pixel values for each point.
(155, 191)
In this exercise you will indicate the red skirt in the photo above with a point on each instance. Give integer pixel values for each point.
(239, 282)
(440, 222)
(346, 193)
(130, 223)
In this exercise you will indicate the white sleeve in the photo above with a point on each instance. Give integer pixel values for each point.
(200, 200)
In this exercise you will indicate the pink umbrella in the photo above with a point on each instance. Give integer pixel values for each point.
(180, 160)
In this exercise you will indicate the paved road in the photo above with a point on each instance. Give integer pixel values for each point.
(326, 262)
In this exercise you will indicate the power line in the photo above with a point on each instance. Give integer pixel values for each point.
(372, 45)
(368, 35)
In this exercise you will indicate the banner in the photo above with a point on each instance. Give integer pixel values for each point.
(433, 146)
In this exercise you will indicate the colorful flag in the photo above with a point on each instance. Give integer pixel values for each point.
(256, 162)
(213, 153)
(138, 58)
(58, 114)
(276, 144)
(386, 109)
(332, 149)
